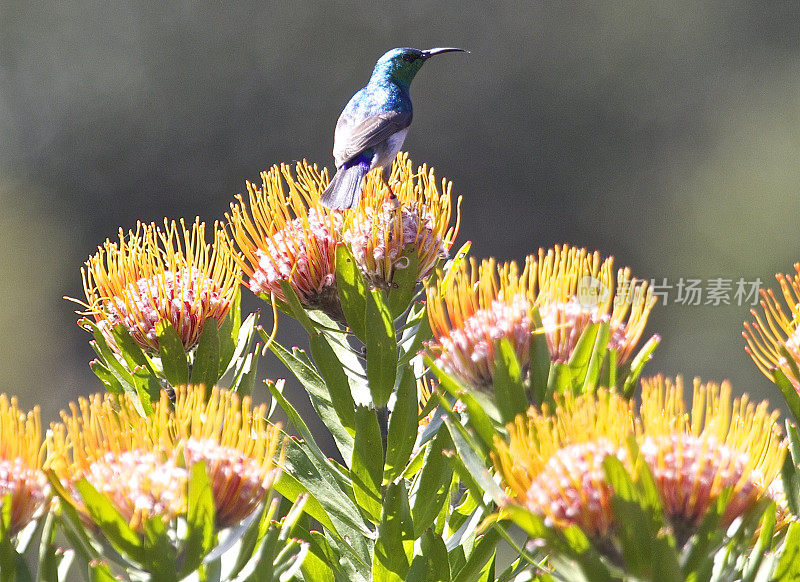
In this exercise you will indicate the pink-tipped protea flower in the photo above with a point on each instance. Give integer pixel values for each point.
(773, 340)
(236, 443)
(142, 463)
(576, 289)
(140, 484)
(287, 235)
(156, 275)
(126, 456)
(720, 444)
(471, 311)
(552, 462)
(21, 475)
(411, 219)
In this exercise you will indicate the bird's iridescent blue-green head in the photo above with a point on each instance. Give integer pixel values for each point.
(401, 64)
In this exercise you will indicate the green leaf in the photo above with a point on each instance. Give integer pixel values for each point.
(8, 555)
(474, 463)
(390, 562)
(381, 348)
(695, 553)
(158, 554)
(483, 551)
(637, 365)
(114, 527)
(245, 379)
(206, 364)
(200, 519)
(637, 527)
(403, 425)
(404, 282)
(173, 355)
(276, 390)
(559, 381)
(433, 484)
(479, 421)
(290, 488)
(228, 331)
(609, 378)
(763, 543)
(789, 471)
(789, 393)
(508, 388)
(106, 377)
(72, 524)
(101, 572)
(317, 390)
(352, 290)
(144, 374)
(582, 354)
(788, 569)
(113, 365)
(296, 307)
(321, 559)
(336, 382)
(431, 565)
(599, 353)
(366, 468)
(418, 330)
(318, 479)
(540, 360)
(243, 341)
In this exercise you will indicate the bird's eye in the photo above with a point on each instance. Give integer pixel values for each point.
(410, 57)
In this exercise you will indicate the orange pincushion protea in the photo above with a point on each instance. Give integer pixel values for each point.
(122, 454)
(773, 340)
(155, 275)
(576, 289)
(471, 310)
(141, 462)
(552, 462)
(22, 481)
(285, 234)
(234, 440)
(720, 444)
(413, 218)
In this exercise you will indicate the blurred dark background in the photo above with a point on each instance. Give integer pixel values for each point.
(664, 133)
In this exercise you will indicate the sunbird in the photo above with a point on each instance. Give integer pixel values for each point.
(374, 123)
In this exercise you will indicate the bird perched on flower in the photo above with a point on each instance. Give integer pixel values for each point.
(374, 123)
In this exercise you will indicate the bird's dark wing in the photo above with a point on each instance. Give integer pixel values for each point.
(349, 141)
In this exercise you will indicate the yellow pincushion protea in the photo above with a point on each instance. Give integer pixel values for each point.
(552, 462)
(773, 340)
(141, 463)
(473, 308)
(127, 457)
(576, 288)
(285, 234)
(155, 275)
(236, 443)
(414, 216)
(22, 481)
(719, 444)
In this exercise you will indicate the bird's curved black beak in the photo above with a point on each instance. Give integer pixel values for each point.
(437, 51)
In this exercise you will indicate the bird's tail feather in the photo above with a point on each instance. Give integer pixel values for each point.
(345, 189)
